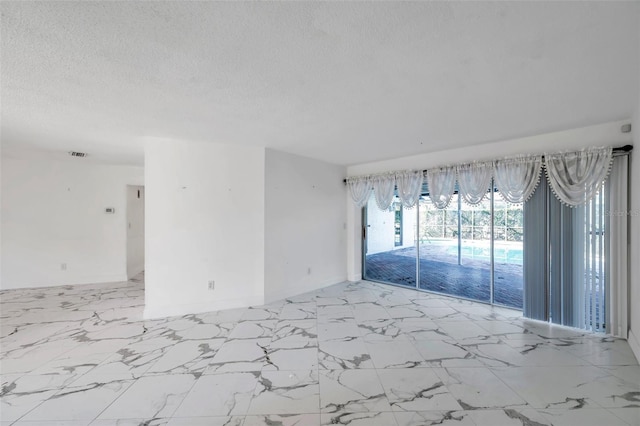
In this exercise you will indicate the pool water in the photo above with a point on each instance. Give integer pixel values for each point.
(511, 253)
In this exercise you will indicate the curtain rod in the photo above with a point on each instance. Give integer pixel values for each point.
(621, 150)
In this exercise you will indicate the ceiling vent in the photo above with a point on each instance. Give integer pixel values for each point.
(78, 154)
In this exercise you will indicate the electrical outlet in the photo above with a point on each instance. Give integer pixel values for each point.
(63, 266)
(309, 270)
(212, 285)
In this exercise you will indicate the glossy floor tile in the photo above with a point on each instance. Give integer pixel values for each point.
(353, 354)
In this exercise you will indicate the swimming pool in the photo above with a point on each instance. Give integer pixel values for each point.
(509, 252)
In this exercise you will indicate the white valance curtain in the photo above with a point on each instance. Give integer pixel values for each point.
(409, 187)
(442, 184)
(383, 189)
(408, 183)
(574, 177)
(359, 188)
(473, 181)
(517, 178)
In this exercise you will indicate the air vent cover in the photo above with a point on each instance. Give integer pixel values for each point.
(78, 154)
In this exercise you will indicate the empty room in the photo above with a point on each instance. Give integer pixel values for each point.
(314, 213)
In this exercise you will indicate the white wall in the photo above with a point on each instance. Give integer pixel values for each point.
(354, 241)
(634, 219)
(607, 134)
(135, 230)
(1, 211)
(305, 227)
(53, 213)
(381, 229)
(204, 221)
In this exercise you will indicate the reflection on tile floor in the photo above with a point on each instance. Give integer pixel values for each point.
(353, 353)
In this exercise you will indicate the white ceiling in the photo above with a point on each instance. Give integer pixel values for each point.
(347, 83)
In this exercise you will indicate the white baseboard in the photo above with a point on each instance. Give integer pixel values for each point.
(354, 278)
(634, 342)
(80, 280)
(152, 312)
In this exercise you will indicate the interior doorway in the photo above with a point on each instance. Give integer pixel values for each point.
(135, 230)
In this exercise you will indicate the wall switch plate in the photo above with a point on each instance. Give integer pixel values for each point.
(63, 266)
(212, 285)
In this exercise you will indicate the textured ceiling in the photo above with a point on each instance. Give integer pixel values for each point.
(342, 82)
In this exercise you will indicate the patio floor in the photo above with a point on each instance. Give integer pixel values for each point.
(443, 274)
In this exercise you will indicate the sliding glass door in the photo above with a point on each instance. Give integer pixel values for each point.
(390, 244)
(473, 252)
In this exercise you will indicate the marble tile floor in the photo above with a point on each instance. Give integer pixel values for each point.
(351, 354)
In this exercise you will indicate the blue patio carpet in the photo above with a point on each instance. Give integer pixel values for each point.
(467, 280)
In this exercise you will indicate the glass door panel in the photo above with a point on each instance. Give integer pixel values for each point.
(390, 244)
(438, 245)
(508, 223)
(475, 249)
(452, 257)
